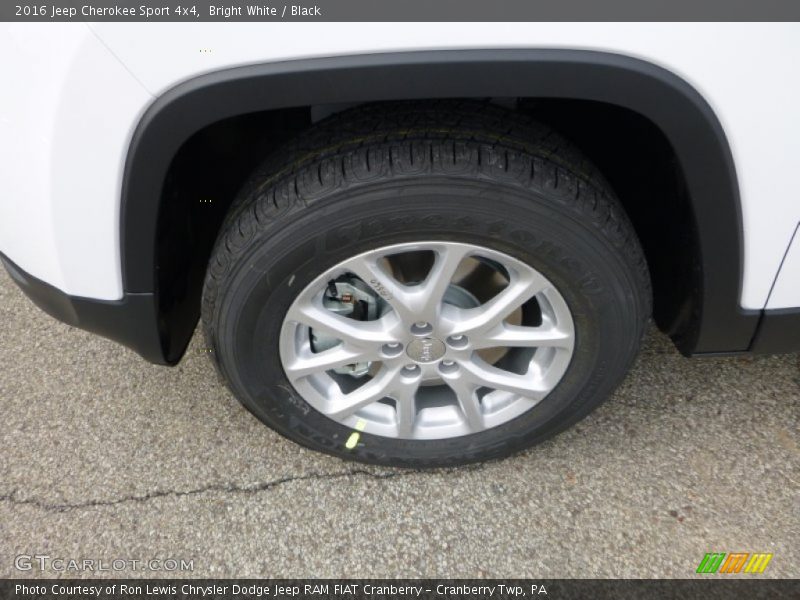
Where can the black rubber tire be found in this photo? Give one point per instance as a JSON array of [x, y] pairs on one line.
[[398, 172]]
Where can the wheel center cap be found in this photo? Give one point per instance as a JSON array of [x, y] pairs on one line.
[[426, 350]]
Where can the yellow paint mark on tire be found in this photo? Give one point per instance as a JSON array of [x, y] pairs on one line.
[[352, 441]]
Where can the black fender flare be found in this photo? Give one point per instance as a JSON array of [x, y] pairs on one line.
[[717, 322]]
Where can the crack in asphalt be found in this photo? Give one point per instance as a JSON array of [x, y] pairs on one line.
[[217, 487]]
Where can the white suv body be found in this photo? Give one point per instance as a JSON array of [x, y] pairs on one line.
[[91, 110], [88, 85]]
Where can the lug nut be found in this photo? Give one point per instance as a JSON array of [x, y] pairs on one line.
[[458, 341], [421, 328], [411, 370], [392, 349], [448, 366]]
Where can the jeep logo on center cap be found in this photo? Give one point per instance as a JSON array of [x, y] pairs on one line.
[[426, 350]]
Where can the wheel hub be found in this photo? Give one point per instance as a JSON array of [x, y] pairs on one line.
[[426, 350]]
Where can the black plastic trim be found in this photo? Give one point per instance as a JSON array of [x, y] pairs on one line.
[[715, 324], [778, 332], [131, 321]]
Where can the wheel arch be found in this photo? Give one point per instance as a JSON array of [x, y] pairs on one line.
[[711, 319]]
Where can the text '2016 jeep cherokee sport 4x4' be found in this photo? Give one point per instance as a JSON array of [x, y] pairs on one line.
[[417, 250]]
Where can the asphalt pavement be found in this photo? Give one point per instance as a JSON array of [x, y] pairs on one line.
[[104, 457]]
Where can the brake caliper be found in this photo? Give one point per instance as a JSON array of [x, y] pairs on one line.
[[351, 298]]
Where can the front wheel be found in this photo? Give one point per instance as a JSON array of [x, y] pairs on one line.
[[426, 299]]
